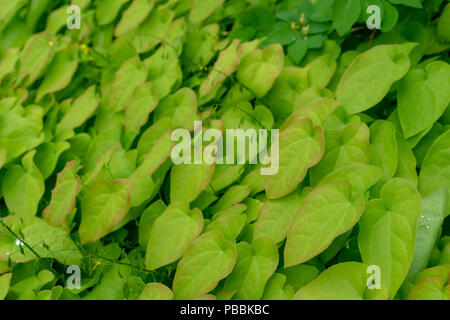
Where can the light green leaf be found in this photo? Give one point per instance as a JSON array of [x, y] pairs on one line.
[[47, 241], [60, 72], [63, 199], [325, 213], [171, 234], [81, 110], [301, 146], [156, 291], [200, 10], [23, 187], [343, 281], [187, 181], [130, 75], [133, 16], [255, 264], [103, 206], [423, 96], [435, 169], [370, 76], [259, 69], [208, 260], [4, 285], [388, 232]]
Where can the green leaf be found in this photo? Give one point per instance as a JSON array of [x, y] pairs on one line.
[[5, 280], [255, 264], [361, 176], [435, 170], [143, 101], [147, 219], [103, 206], [277, 289], [409, 3], [259, 69], [276, 217], [60, 73], [423, 96], [130, 75], [370, 76], [171, 234], [107, 10], [388, 232], [81, 110], [443, 27], [301, 146], [343, 147], [63, 199], [225, 65], [428, 229], [23, 187], [47, 241], [297, 50], [156, 291], [208, 260], [36, 53], [133, 16], [345, 14], [200, 10], [383, 151], [325, 213], [187, 181], [343, 281]]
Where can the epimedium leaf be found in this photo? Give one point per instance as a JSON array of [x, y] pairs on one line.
[[5, 281], [342, 281], [388, 231], [143, 101], [130, 75], [81, 110], [63, 200], [47, 241], [255, 263], [107, 10], [200, 10], [344, 147], [301, 146], [103, 205], [423, 96], [361, 176], [435, 169], [35, 56], [317, 111], [276, 216], [371, 74], [147, 219], [428, 229], [156, 291], [187, 181], [258, 69], [181, 107], [133, 16], [61, 71], [345, 14], [23, 187], [229, 223], [171, 234], [383, 151], [277, 289], [208, 260], [324, 214], [225, 65], [232, 196]]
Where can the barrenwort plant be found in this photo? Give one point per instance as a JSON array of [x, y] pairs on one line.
[[114, 114]]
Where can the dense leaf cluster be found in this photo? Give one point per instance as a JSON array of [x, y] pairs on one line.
[[359, 208]]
